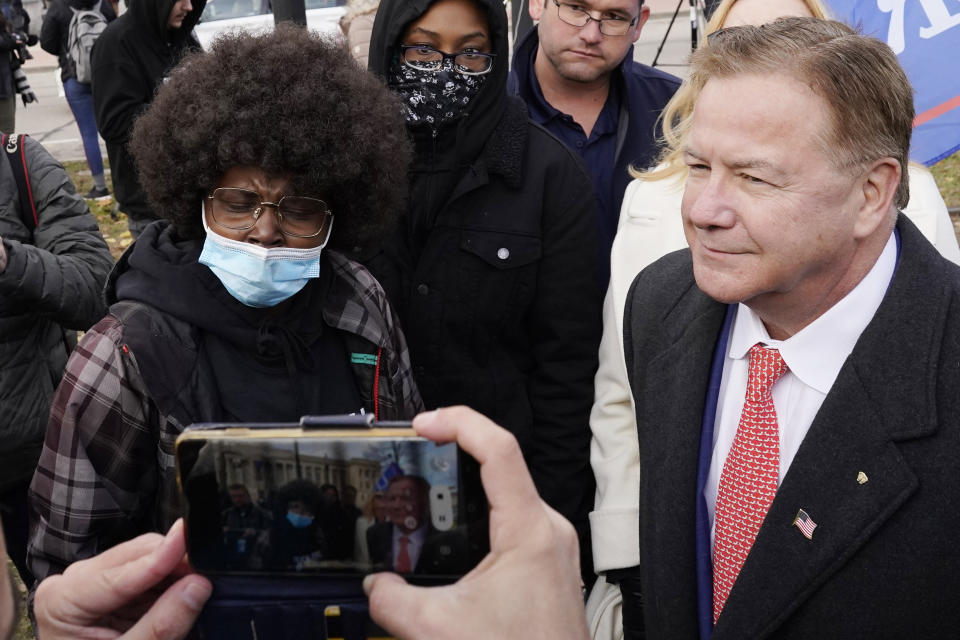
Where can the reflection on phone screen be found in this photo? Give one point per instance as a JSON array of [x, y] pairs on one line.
[[324, 506]]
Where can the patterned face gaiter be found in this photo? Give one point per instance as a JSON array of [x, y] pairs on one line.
[[435, 97]]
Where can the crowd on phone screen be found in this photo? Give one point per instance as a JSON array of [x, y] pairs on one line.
[[446, 230], [302, 526]]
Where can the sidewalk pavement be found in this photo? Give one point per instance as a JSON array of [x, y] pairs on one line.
[[676, 48], [41, 60], [49, 120]]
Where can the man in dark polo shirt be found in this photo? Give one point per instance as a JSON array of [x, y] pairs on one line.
[[575, 70]]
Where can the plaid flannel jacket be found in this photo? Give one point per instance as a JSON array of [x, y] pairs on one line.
[[106, 473]]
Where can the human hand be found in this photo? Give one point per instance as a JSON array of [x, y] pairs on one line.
[[529, 584], [3, 257], [125, 592]]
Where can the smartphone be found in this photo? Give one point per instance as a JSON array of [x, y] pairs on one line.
[[331, 496]]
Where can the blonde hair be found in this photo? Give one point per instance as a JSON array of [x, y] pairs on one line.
[[370, 506], [816, 8], [676, 115]]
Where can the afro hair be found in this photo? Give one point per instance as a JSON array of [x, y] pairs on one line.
[[291, 103]]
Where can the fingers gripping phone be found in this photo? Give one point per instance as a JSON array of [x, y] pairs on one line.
[[332, 496]]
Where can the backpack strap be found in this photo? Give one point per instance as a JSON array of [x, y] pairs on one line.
[[13, 148]]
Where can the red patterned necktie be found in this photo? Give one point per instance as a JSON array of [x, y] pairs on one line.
[[403, 556], [748, 482]]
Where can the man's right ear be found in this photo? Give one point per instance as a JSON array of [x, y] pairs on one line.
[[535, 9]]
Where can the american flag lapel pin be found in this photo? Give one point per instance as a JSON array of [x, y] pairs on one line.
[[805, 523]]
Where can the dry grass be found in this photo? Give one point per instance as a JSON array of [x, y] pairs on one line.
[[23, 631], [112, 225], [947, 174]]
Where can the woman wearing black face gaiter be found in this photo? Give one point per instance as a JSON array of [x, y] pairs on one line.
[[493, 270]]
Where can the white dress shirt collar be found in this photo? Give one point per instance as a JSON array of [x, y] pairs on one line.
[[816, 353]]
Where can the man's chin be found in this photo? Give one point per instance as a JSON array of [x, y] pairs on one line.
[[722, 287], [581, 72]]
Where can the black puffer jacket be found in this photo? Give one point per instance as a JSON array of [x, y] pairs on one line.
[[498, 295], [53, 281], [129, 61]]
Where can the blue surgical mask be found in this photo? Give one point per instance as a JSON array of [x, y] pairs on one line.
[[258, 276], [299, 521]]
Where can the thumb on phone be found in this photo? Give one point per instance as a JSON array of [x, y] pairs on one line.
[[399, 607]]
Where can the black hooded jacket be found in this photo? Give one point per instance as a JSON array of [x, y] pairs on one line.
[[129, 61], [494, 273]]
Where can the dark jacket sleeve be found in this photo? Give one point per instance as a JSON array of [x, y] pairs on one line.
[[565, 326], [120, 90], [51, 33], [63, 272], [53, 36], [7, 43]]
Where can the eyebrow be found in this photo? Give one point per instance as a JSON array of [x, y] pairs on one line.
[[614, 10], [464, 38], [746, 163]]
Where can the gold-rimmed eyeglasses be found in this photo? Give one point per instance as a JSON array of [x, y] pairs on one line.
[[297, 216]]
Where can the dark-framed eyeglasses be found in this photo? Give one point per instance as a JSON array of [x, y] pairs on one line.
[[576, 15], [424, 58], [297, 216]]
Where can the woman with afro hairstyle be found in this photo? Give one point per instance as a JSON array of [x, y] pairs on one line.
[[267, 157]]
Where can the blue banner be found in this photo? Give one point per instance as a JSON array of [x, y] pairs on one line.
[[393, 470], [925, 35]]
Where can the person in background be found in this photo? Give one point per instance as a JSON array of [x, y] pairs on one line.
[[18, 25], [493, 272], [51, 278], [130, 60], [350, 502], [576, 72], [336, 523], [54, 40], [10, 43], [374, 511], [651, 227], [240, 305], [357, 26], [297, 539], [246, 529], [351, 513]]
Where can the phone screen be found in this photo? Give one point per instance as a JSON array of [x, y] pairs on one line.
[[331, 506]]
